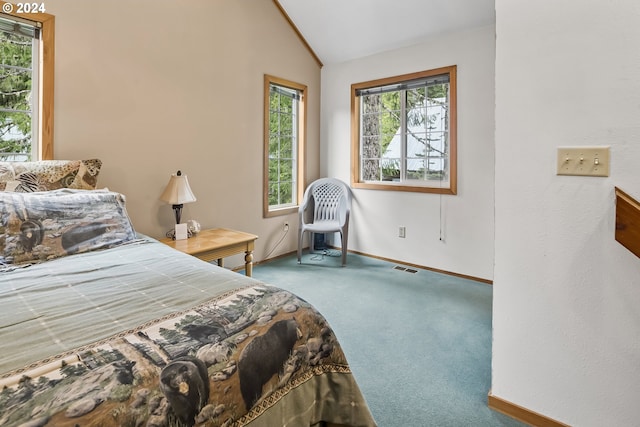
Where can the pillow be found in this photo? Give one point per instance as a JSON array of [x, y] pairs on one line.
[[45, 225], [46, 175]]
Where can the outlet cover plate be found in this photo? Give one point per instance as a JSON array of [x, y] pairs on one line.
[[583, 161]]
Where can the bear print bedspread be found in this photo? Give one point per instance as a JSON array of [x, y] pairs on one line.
[[255, 355]]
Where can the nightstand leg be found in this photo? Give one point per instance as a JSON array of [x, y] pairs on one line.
[[248, 263]]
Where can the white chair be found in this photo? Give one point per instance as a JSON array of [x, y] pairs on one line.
[[330, 200]]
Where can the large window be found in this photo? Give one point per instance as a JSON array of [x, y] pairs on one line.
[[26, 85], [284, 124], [404, 132]]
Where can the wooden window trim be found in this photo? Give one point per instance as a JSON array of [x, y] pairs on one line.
[[301, 146], [452, 188], [45, 126]]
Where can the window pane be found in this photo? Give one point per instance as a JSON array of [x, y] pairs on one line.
[[370, 146], [286, 104], [285, 170], [391, 169], [286, 193], [274, 146], [286, 149], [416, 97], [273, 193], [16, 77], [371, 104], [282, 163]]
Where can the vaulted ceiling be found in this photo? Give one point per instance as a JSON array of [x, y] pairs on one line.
[[341, 30]]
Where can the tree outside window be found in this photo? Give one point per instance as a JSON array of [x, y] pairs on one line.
[[16, 100]]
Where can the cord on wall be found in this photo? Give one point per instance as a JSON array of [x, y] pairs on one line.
[[441, 238], [441, 215], [285, 231]]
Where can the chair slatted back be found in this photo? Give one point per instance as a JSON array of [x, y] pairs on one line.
[[327, 198]]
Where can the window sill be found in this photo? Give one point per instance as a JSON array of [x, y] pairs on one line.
[[391, 186], [280, 212]]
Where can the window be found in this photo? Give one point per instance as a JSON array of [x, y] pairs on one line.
[[26, 86], [284, 140], [404, 132]]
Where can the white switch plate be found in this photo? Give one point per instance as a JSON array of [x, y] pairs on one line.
[[584, 161]]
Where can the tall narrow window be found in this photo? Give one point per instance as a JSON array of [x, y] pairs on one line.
[[404, 132], [26, 87], [284, 145]]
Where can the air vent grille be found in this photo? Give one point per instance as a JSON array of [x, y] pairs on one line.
[[408, 270]]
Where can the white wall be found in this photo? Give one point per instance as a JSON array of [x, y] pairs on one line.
[[466, 219], [566, 294], [151, 87]]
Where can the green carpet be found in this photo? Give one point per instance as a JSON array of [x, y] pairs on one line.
[[419, 344]]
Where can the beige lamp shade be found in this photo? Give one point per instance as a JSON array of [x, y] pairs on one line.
[[178, 190], [177, 193]]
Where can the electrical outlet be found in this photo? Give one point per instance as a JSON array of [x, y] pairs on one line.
[[285, 226], [402, 232]]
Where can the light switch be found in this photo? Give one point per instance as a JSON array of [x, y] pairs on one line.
[[585, 161]]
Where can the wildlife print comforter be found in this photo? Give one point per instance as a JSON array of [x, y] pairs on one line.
[[255, 354]]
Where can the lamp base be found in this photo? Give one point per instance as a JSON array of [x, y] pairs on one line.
[[177, 210]]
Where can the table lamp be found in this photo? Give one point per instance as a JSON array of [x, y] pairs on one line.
[[177, 193]]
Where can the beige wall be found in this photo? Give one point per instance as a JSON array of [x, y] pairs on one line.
[[151, 87]]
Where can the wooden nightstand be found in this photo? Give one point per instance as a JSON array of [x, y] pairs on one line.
[[217, 243]]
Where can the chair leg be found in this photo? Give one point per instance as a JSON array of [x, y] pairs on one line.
[[344, 236], [300, 234]]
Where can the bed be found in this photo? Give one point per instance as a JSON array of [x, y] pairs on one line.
[[104, 326]]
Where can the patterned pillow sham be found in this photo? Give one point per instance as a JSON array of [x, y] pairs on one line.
[[45, 225], [46, 175]]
